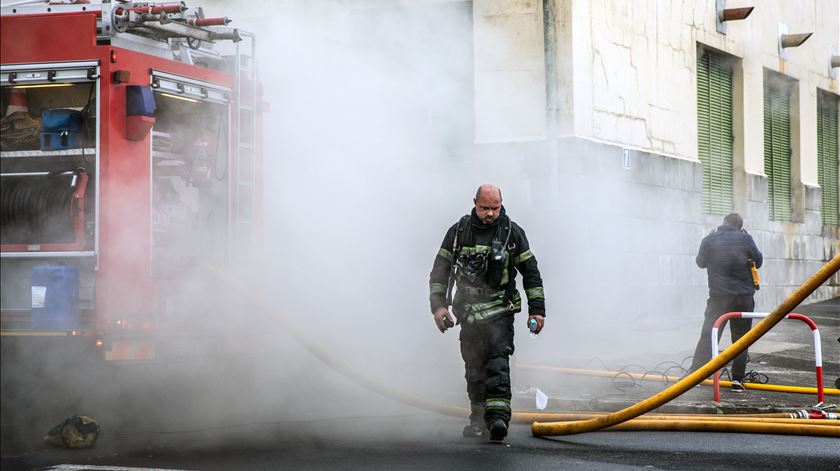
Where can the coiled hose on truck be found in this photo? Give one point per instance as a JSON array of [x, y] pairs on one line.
[[36, 209]]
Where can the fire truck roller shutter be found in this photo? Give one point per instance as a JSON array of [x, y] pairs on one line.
[[192, 89], [48, 72]]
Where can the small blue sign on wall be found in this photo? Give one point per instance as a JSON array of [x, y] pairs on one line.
[[625, 160]]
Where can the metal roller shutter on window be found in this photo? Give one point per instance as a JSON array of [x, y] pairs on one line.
[[827, 157], [714, 136], [777, 151]]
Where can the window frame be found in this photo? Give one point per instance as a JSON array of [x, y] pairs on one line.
[[778, 146], [716, 129], [828, 157]]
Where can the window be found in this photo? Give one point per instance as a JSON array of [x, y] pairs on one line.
[[714, 130], [777, 147], [827, 157]]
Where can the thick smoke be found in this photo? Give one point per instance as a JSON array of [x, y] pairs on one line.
[[368, 146], [369, 157]]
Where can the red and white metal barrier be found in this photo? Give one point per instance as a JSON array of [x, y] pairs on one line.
[[759, 315]]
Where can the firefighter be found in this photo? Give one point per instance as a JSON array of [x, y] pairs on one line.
[[479, 258]]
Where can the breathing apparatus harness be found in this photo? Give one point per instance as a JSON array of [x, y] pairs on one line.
[[474, 267]]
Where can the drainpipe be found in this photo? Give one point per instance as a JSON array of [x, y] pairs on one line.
[[551, 103], [550, 51]]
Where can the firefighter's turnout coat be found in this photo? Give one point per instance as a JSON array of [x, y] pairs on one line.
[[489, 294], [485, 259]]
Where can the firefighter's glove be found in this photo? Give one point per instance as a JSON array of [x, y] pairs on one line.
[[443, 319], [540, 321]]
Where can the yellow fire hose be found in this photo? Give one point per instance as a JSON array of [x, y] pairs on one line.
[[705, 423], [674, 379], [733, 427], [564, 416], [701, 423], [782, 418], [798, 295], [529, 417]]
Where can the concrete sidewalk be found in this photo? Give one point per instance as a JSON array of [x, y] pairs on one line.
[[784, 356]]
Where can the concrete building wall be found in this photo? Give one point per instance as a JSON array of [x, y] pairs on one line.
[[624, 74], [509, 71], [635, 70], [636, 76]]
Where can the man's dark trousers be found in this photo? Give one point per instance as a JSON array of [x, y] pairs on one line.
[[716, 306], [486, 347]]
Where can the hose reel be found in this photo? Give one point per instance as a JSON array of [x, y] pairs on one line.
[[42, 208]]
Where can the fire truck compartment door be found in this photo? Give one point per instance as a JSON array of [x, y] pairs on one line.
[[189, 88], [49, 72]]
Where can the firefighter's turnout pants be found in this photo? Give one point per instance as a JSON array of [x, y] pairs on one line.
[[486, 347]]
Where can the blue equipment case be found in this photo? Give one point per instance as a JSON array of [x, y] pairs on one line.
[[55, 297], [61, 129]]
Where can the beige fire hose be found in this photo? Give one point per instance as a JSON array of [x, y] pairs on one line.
[[566, 428], [674, 379], [777, 422]]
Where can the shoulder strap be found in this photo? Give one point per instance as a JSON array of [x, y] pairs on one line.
[[511, 246], [507, 224], [457, 243], [464, 231]]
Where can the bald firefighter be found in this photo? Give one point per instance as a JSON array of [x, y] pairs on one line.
[[478, 259]]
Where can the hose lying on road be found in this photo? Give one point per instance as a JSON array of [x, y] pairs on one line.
[[674, 379], [783, 418], [703, 423], [689, 422], [693, 379], [683, 425]]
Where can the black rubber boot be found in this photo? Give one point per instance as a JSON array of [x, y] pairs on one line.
[[498, 430], [474, 431], [476, 427]]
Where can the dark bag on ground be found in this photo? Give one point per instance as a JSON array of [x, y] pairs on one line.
[[79, 431]]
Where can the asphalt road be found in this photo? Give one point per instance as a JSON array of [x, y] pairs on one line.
[[424, 441], [232, 415]]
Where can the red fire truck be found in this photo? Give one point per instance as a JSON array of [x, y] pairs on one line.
[[131, 157]]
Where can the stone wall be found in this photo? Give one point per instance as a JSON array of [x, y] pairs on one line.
[[613, 239], [629, 81]]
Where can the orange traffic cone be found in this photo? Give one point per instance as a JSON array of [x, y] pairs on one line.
[[17, 102]]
